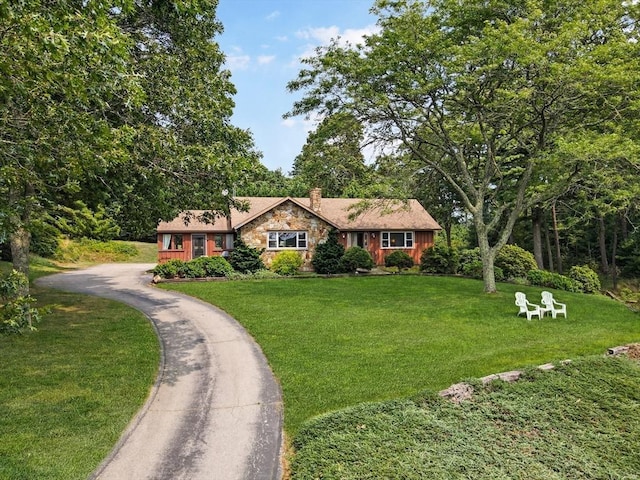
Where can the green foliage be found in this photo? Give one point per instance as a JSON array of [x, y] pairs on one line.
[[561, 415], [491, 73], [170, 269], [94, 251], [257, 275], [287, 263], [401, 260], [332, 158], [543, 278], [326, 258], [439, 259], [16, 309], [585, 278], [515, 261], [44, 239], [81, 222], [355, 258], [245, 259]]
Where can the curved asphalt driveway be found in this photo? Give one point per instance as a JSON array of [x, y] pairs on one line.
[[215, 411]]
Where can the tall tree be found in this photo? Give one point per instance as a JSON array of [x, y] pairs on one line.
[[122, 103], [63, 63], [482, 92], [332, 159]]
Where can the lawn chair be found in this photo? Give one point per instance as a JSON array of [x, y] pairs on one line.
[[550, 305], [526, 307]]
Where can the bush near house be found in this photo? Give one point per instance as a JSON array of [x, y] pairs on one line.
[[287, 263], [401, 260], [245, 259], [441, 259], [355, 258], [326, 258]]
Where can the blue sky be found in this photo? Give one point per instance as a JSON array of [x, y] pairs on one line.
[[264, 41]]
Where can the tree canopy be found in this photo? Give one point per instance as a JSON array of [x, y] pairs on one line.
[[490, 95], [123, 105]]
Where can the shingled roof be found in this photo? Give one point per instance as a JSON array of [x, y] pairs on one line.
[[368, 215]]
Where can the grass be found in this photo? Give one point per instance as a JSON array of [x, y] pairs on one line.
[[68, 390], [338, 342], [579, 421]]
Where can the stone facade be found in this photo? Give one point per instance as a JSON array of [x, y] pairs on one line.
[[286, 216]]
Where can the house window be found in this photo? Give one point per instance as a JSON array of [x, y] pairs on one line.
[[397, 239], [218, 241], [172, 242], [278, 240]]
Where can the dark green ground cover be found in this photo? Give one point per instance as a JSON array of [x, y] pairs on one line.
[[581, 421], [337, 342]]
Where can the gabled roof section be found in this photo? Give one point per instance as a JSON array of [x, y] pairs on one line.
[[257, 200], [379, 215]]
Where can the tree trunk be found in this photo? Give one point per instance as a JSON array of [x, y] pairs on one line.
[[556, 238], [447, 231], [614, 248], [602, 242], [488, 258], [549, 251], [536, 218], [19, 234]]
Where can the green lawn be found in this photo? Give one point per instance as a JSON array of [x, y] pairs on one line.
[[342, 341], [68, 390]]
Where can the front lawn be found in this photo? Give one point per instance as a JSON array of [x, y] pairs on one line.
[[68, 390], [338, 342]]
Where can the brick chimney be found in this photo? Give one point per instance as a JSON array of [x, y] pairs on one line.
[[315, 196]]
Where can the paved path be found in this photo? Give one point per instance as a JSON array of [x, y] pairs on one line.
[[216, 409]]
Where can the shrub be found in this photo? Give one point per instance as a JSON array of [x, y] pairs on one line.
[[355, 258], [470, 256], [44, 239], [82, 222], [287, 263], [326, 258], [16, 311], [542, 278], [194, 269], [170, 269], [515, 261], [585, 278], [439, 259], [215, 266], [245, 259], [474, 270], [398, 259]]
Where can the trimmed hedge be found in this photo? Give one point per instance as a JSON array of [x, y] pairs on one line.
[[399, 259], [287, 263], [440, 259], [515, 261], [355, 258]]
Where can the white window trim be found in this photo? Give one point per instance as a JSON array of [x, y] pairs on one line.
[[385, 237], [301, 237]]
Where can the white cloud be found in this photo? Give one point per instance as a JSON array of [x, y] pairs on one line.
[[322, 36], [238, 62], [282, 38], [272, 16], [266, 59], [289, 122]]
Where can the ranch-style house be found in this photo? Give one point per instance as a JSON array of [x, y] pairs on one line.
[[276, 224]]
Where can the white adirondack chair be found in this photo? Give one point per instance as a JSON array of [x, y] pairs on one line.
[[526, 307], [550, 305]]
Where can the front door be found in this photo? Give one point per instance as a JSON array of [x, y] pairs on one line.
[[198, 245], [359, 239]]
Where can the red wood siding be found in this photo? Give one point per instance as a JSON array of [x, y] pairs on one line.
[[421, 240], [185, 253]]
